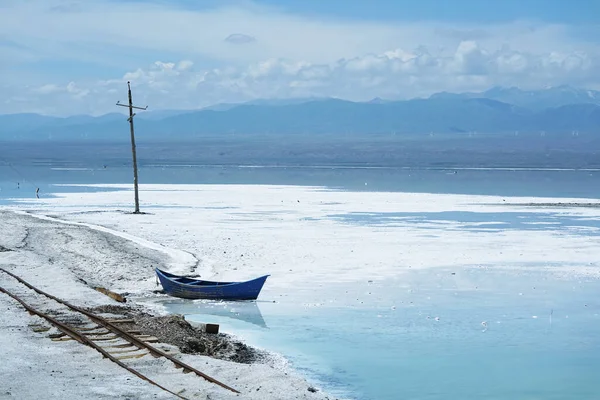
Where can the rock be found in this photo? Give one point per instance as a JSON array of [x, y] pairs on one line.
[[179, 320], [192, 345]]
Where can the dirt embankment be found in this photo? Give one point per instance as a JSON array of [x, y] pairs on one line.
[[175, 330]]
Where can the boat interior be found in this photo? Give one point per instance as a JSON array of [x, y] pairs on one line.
[[195, 282]]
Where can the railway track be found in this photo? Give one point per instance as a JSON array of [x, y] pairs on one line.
[[127, 349]]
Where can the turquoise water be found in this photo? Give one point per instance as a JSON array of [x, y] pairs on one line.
[[422, 335], [476, 221]]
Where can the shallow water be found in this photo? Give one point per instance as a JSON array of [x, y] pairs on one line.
[[23, 181], [477, 221], [480, 333], [381, 340]]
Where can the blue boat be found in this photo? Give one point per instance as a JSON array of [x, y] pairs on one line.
[[188, 288]]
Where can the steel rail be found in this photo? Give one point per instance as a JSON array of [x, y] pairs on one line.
[[84, 340], [128, 337]]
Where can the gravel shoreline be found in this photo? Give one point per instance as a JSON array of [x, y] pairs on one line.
[[175, 330]]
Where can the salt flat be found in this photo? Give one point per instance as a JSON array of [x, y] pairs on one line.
[[237, 231], [66, 260], [299, 235]]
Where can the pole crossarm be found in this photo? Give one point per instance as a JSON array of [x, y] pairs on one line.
[[133, 153], [126, 105]]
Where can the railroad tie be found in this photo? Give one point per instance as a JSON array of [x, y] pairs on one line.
[[119, 346], [124, 351], [132, 356], [94, 334], [75, 330], [88, 329]]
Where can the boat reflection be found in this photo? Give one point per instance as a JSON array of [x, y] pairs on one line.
[[246, 311]]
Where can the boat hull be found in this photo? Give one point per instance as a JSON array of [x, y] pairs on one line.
[[186, 288]]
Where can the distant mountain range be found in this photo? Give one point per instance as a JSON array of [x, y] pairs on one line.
[[555, 110], [536, 100]]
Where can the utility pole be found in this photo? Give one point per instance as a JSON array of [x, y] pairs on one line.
[[130, 119]]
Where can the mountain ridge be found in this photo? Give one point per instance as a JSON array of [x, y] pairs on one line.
[[571, 110]]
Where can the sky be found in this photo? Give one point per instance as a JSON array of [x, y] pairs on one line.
[[75, 57]]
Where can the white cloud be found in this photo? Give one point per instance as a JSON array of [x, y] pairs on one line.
[[268, 54], [394, 74], [48, 89], [239, 38], [93, 29]]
